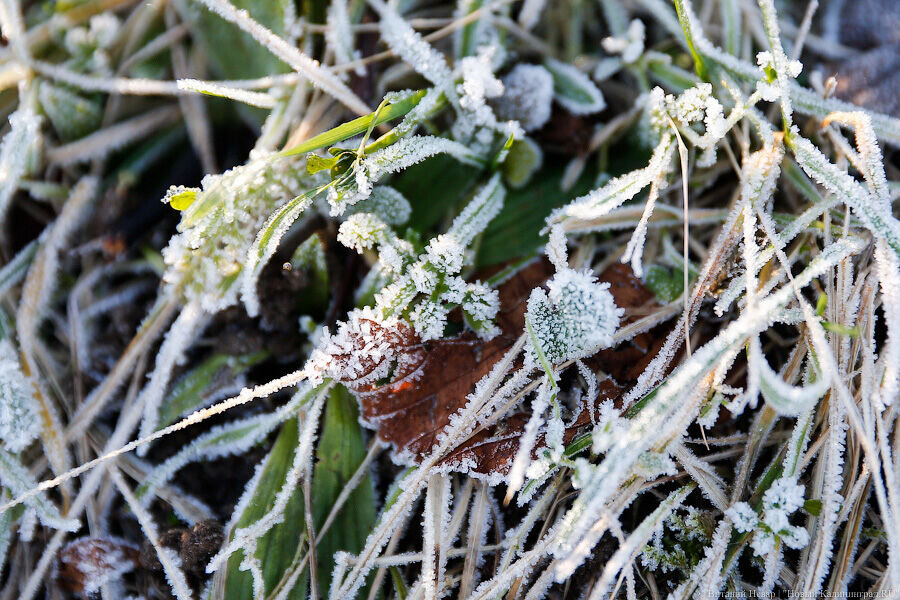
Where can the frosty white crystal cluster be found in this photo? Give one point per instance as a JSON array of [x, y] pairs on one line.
[[426, 288], [527, 96], [89, 45], [204, 259], [575, 319], [782, 499], [768, 86], [362, 349], [630, 46]]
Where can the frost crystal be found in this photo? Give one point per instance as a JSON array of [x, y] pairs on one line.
[[631, 47], [575, 319], [205, 258], [478, 80], [19, 420], [527, 96], [782, 498]]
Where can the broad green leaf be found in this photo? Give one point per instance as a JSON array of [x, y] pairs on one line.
[[573, 89], [667, 284], [341, 450], [278, 547], [522, 161], [232, 53], [516, 230], [434, 187], [188, 393]]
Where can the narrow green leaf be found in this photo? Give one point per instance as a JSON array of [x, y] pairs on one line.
[[356, 126], [341, 450], [277, 548]]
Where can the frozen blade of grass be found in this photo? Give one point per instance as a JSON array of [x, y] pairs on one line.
[[873, 214], [321, 77], [265, 245], [37, 291], [603, 200], [435, 521], [15, 270], [339, 34], [703, 474], [154, 87], [410, 46], [629, 550], [209, 88], [25, 130], [189, 324], [115, 137], [812, 574], [479, 518], [17, 479], [170, 561], [223, 440], [672, 403]]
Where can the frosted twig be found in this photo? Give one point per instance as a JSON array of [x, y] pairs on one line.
[[245, 396]]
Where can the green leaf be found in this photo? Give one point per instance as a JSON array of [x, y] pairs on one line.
[[573, 89], [685, 21], [813, 507], [341, 450], [522, 161], [277, 548], [516, 230], [233, 53], [666, 284], [182, 199], [433, 187], [356, 126], [188, 393]]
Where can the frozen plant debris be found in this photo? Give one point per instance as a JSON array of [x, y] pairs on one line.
[[527, 96], [781, 500]]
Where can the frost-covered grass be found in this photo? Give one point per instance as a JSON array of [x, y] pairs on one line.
[[401, 410]]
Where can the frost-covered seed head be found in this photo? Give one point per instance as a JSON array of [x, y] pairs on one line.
[[575, 319], [527, 96], [362, 231]]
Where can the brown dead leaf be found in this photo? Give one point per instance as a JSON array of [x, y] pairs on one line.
[[87, 563], [431, 381]]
